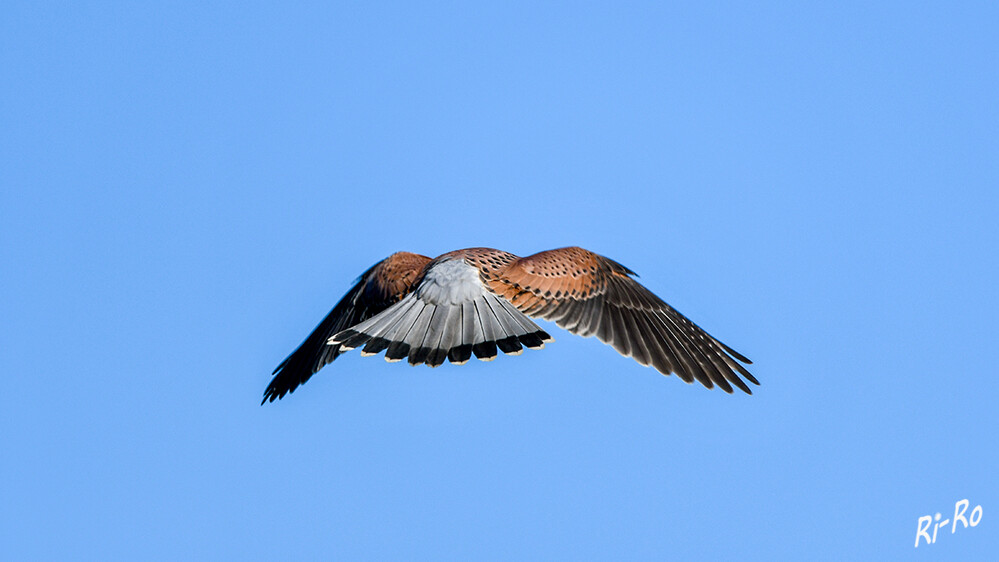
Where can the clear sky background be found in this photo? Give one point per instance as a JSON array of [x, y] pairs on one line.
[[188, 189]]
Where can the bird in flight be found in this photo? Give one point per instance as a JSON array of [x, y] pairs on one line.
[[475, 301]]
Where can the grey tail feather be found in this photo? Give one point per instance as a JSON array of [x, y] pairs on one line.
[[429, 334]]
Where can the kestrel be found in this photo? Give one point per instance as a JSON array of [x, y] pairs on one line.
[[471, 302]]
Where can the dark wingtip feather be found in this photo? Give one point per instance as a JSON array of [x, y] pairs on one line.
[[437, 357], [460, 354], [484, 350], [298, 368], [355, 339], [343, 336], [739, 383], [532, 341], [376, 345], [397, 350], [419, 355], [734, 353], [279, 387], [278, 368], [509, 344], [724, 385]]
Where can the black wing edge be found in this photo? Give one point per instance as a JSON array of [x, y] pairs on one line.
[[313, 354]]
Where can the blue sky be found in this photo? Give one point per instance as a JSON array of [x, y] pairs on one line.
[[188, 188]]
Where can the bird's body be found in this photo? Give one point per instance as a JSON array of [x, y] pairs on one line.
[[475, 301]]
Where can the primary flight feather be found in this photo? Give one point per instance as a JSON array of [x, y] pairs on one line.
[[475, 301]]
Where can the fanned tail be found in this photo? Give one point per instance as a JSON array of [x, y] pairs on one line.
[[429, 333]]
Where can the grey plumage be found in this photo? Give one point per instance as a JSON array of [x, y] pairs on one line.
[[429, 333]]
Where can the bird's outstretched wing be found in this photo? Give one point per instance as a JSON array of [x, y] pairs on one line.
[[378, 288], [590, 295]]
